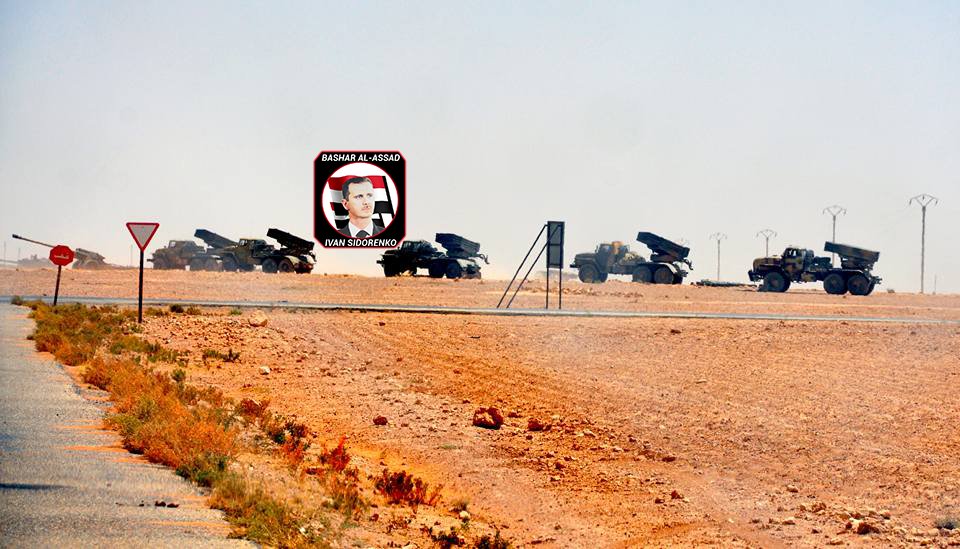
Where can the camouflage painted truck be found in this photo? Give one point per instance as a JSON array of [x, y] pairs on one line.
[[855, 274], [294, 256], [665, 265], [458, 261], [176, 255]]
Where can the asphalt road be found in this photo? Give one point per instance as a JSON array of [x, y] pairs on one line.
[[65, 482], [424, 309]]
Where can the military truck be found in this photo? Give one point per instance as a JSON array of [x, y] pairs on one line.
[[294, 256], [801, 265], [458, 261], [663, 267], [177, 254]]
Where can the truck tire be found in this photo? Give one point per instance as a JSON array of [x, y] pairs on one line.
[[230, 264], [858, 285], [774, 281], [588, 274], [436, 269], [286, 266], [196, 264], [872, 286], [212, 264], [453, 270], [390, 271], [268, 266], [643, 274], [663, 275], [158, 263], [834, 284]]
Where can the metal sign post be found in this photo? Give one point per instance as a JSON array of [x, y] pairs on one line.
[[554, 248], [60, 256], [555, 231], [142, 233]]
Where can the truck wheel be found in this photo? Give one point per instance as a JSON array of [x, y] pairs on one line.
[[775, 282], [158, 263], [213, 264], [872, 286], [643, 274], [230, 264], [589, 274], [834, 284], [268, 266], [436, 269], [858, 285], [286, 266], [389, 271], [454, 270], [663, 275], [196, 264]]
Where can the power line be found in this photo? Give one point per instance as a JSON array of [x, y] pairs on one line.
[[923, 200], [718, 237], [767, 233], [834, 211]]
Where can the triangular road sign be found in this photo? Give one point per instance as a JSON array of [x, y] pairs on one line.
[[142, 233]]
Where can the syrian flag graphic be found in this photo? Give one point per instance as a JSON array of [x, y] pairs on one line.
[[383, 210], [386, 171]]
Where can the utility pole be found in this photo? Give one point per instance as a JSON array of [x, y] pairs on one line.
[[924, 200], [834, 211], [718, 237], [767, 233]]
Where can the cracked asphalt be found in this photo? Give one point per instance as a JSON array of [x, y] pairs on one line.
[[64, 481]]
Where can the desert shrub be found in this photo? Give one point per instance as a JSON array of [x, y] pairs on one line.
[[193, 310], [948, 523], [495, 542], [235, 312], [229, 356], [16, 300], [258, 516], [336, 459], [176, 308], [402, 487]]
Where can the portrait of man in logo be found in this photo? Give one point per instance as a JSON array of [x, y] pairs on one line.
[[360, 201]]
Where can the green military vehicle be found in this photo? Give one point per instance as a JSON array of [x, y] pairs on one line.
[[294, 256], [458, 261], [801, 265], [665, 265], [176, 255]]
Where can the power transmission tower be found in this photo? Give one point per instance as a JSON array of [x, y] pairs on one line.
[[924, 200], [767, 233], [834, 211], [718, 237]]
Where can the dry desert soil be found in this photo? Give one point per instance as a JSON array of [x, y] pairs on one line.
[[661, 431]]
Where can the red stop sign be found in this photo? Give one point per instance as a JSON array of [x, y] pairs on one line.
[[61, 255]]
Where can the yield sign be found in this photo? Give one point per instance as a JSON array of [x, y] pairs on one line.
[[142, 233]]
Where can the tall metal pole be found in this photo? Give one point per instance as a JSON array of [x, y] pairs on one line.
[[834, 211], [718, 237], [924, 200], [140, 294], [767, 233]]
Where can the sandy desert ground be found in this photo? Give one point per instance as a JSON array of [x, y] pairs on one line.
[[663, 431]]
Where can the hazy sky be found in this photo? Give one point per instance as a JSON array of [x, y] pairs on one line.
[[679, 118]]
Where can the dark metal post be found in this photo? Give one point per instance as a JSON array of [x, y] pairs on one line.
[[546, 305], [560, 297], [515, 292], [140, 297], [507, 289], [56, 291]]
